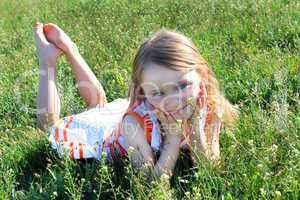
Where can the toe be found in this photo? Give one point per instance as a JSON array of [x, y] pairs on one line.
[[46, 28], [53, 34], [53, 25], [39, 34]]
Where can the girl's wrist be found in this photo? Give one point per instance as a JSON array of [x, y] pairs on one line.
[[170, 129]]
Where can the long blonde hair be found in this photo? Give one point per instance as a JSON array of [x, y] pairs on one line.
[[175, 51]]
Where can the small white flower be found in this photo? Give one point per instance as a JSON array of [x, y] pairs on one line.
[[278, 193], [259, 165], [250, 142], [262, 191], [165, 176], [187, 194], [274, 148], [130, 149]]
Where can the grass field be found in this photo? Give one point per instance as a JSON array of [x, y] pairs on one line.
[[253, 47]]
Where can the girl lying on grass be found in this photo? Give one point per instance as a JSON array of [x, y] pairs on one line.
[[173, 103]]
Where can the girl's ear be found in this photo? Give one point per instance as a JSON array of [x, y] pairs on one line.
[[201, 95]]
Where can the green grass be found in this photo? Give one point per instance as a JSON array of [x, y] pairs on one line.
[[253, 47]]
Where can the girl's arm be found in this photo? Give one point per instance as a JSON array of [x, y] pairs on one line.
[[171, 145], [213, 139], [208, 143], [142, 154], [135, 137], [169, 155]]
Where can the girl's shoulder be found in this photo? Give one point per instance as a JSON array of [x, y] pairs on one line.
[[140, 115], [142, 109]]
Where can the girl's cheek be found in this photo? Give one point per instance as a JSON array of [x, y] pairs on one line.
[[195, 91], [190, 93], [155, 102]]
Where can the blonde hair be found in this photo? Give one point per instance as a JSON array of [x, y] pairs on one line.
[[175, 51]]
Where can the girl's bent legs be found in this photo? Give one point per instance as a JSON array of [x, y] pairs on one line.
[[90, 88]]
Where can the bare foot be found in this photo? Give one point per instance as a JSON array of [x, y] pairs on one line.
[[47, 52], [57, 36]]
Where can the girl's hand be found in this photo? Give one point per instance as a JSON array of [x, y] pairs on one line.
[[169, 155], [135, 138], [169, 124]]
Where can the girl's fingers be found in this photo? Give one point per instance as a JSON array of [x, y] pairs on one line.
[[160, 115], [169, 117], [165, 117], [169, 124]]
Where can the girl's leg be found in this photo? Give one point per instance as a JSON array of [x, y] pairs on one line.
[[48, 102], [89, 87]]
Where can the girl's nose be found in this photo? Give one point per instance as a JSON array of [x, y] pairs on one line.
[[172, 103]]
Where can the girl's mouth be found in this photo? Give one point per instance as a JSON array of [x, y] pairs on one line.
[[177, 111], [189, 102]]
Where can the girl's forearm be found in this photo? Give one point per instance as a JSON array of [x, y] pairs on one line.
[[169, 155], [89, 87]]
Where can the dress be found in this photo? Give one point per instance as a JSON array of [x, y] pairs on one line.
[[88, 134]]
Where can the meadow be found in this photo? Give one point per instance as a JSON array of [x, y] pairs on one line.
[[253, 46]]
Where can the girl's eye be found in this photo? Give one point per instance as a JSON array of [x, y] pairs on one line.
[[156, 94], [183, 85]]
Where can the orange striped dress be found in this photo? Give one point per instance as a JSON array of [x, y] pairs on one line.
[[88, 134], [98, 130]]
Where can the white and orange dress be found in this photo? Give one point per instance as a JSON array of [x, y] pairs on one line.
[[88, 134]]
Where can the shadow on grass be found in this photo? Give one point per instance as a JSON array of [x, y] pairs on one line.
[[183, 173], [116, 183], [122, 174], [36, 162]]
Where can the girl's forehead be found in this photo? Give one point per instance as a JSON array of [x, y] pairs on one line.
[[158, 76]]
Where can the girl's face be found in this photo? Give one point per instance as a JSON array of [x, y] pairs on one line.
[[174, 92]]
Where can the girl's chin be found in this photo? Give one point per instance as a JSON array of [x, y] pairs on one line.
[[181, 117]]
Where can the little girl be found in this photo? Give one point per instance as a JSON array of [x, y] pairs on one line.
[[174, 103]]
